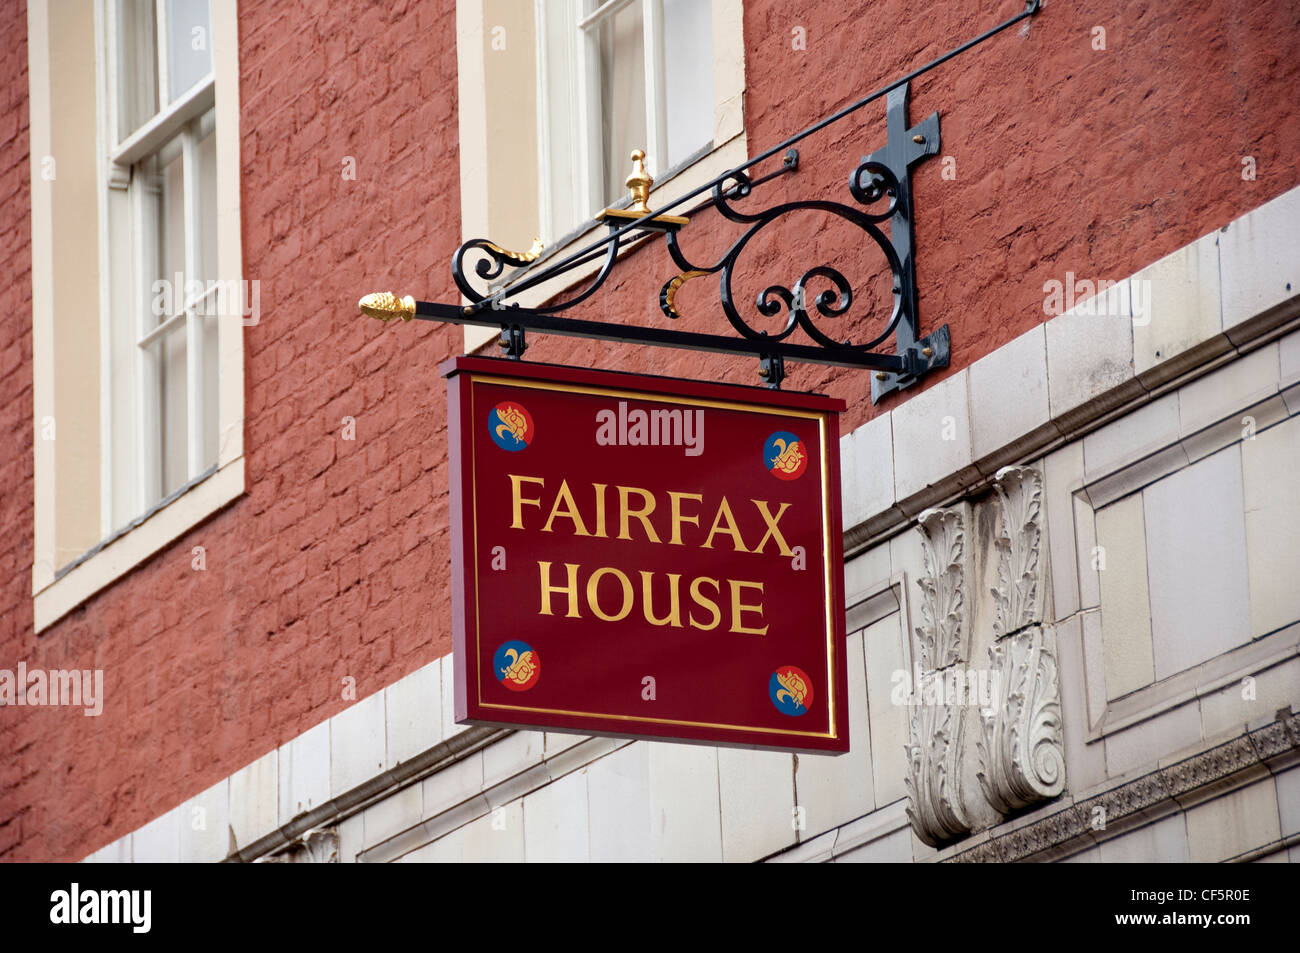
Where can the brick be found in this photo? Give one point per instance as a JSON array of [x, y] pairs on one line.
[[359, 586]]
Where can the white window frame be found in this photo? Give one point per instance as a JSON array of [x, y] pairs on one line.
[[57, 589], [583, 32], [729, 145], [181, 117]]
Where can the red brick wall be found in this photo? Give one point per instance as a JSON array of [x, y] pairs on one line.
[[19, 780], [335, 563]]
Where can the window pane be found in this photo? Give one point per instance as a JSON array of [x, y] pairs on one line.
[[561, 121], [123, 406], [189, 44], [206, 226], [137, 65], [162, 176], [622, 88], [207, 230], [174, 411], [688, 77]]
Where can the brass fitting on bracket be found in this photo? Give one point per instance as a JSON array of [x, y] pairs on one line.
[[386, 306]]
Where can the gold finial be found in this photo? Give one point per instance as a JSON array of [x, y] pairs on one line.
[[386, 306], [639, 183]]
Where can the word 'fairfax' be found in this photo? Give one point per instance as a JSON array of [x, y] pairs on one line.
[[653, 428], [564, 507]]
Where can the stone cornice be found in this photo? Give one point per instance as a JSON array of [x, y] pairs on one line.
[[1063, 416], [381, 786], [1145, 798]]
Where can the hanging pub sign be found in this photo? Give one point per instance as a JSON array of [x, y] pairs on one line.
[[646, 557]]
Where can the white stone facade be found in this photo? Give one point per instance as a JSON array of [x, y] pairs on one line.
[[1110, 540]]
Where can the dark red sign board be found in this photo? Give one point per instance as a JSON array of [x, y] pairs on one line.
[[646, 557]]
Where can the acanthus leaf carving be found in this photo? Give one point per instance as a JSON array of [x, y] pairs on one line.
[[934, 774], [933, 778], [1017, 602], [941, 638], [315, 846], [1021, 749]]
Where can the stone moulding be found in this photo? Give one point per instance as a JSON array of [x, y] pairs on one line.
[[328, 815], [933, 779], [1021, 750], [319, 846], [1150, 796]]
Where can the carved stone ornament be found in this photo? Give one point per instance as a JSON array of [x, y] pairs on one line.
[[313, 847], [1021, 751], [1020, 492], [933, 778], [941, 637], [934, 774], [1153, 794]]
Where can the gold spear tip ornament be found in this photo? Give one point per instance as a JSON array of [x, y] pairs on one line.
[[386, 306]]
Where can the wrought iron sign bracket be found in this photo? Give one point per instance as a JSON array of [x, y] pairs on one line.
[[880, 186], [903, 148]]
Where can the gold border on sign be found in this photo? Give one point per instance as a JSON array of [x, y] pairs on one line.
[[587, 390], [646, 395]]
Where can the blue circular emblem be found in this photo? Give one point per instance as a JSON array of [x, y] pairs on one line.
[[785, 456], [510, 425], [516, 666], [791, 691]]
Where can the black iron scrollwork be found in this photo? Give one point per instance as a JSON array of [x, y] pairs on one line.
[[879, 187], [488, 268], [819, 303], [793, 300]]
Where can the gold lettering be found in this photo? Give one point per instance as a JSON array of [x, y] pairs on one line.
[[593, 591], [626, 515], [705, 602], [571, 590], [738, 544], [772, 531], [570, 512], [737, 607], [518, 500], [675, 501], [674, 617], [600, 509]]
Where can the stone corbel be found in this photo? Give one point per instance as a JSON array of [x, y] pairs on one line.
[[933, 780], [1019, 542], [942, 638], [1021, 751], [317, 846]]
